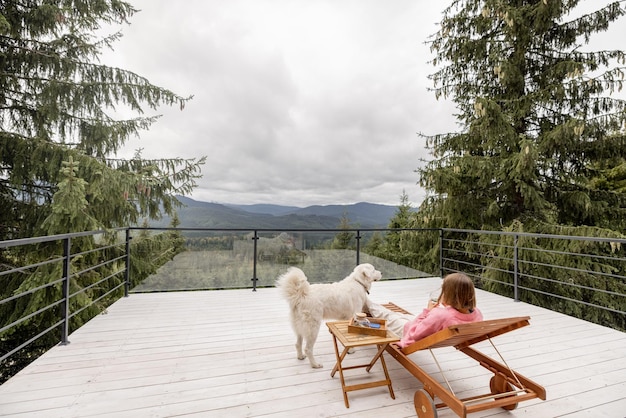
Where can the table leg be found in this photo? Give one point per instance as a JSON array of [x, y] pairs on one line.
[[381, 348], [338, 367], [379, 355], [382, 360], [339, 359]]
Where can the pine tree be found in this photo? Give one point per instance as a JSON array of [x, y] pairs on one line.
[[539, 132], [397, 243], [402, 217], [375, 245], [55, 103], [415, 249], [540, 148], [59, 170], [344, 240]]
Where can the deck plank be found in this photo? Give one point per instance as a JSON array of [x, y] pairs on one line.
[[231, 353]]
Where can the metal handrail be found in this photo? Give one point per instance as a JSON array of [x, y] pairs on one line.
[[459, 249], [505, 269]]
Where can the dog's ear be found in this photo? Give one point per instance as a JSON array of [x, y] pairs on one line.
[[367, 270], [370, 273]]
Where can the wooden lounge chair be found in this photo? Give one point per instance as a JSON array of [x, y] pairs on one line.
[[507, 387]]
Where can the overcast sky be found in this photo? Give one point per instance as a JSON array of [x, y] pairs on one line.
[[296, 102]]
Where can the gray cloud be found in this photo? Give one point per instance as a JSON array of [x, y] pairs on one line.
[[295, 102]]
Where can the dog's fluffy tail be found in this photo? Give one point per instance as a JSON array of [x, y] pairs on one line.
[[293, 285]]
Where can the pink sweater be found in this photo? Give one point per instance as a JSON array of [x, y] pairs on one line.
[[429, 322]]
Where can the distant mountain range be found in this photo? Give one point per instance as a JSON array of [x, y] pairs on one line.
[[196, 214]]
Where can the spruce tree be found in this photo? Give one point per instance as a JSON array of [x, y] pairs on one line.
[[540, 148], [59, 170], [541, 139], [344, 240], [57, 106], [397, 243]]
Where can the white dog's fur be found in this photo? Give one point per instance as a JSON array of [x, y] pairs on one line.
[[311, 303]]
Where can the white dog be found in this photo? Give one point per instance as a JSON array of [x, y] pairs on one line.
[[311, 303]]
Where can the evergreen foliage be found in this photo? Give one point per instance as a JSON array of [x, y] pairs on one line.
[[541, 140], [59, 170], [418, 249], [344, 240], [541, 146], [56, 128], [579, 277], [397, 241]]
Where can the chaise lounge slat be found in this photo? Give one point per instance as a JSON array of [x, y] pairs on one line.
[[464, 335], [507, 387]]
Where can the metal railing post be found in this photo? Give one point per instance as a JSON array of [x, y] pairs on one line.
[[127, 260], [65, 285], [441, 253], [358, 247], [254, 256], [515, 269]]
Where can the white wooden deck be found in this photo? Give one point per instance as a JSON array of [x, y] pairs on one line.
[[230, 353]]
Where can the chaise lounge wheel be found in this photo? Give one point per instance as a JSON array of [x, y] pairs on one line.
[[498, 384], [424, 404]]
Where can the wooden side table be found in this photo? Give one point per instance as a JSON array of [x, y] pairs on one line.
[[339, 331]]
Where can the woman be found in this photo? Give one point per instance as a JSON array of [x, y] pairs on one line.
[[456, 305]]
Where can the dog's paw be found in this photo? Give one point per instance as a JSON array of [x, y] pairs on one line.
[[301, 356], [317, 365], [351, 350]]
